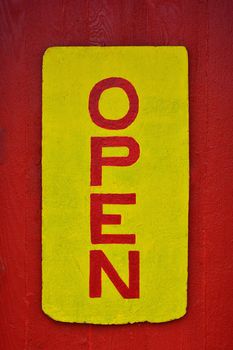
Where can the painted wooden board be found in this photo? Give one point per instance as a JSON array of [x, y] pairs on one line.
[[28, 28], [115, 184]]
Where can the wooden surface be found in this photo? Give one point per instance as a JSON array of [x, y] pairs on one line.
[[27, 28]]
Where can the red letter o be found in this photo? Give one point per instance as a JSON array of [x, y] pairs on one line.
[[94, 97]]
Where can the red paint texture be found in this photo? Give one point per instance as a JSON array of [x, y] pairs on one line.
[[27, 28]]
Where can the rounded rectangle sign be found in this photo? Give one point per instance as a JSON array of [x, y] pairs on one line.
[[115, 184]]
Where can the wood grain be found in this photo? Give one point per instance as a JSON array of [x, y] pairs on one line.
[[27, 28]]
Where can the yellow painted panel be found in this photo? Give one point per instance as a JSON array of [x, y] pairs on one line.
[[159, 178]]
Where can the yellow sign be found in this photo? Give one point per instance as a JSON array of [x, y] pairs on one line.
[[115, 184]]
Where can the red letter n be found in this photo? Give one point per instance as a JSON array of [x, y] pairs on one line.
[[99, 261]]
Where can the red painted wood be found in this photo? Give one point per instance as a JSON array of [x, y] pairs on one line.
[[27, 28]]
